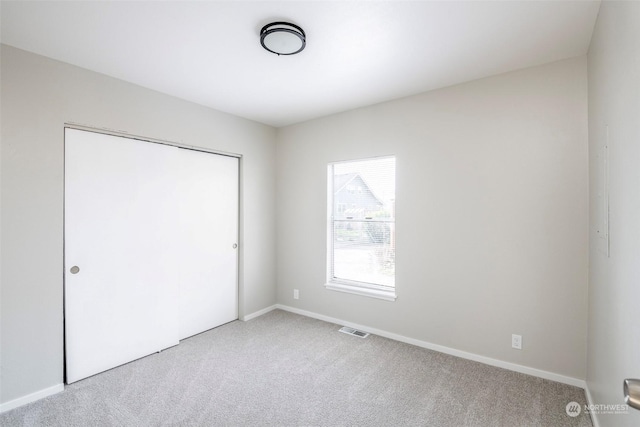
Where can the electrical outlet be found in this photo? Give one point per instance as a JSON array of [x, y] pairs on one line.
[[296, 294], [516, 341]]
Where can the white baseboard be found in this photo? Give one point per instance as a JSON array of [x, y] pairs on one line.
[[41, 394], [594, 417], [258, 313], [442, 349]]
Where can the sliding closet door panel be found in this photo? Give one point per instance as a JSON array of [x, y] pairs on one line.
[[120, 252], [208, 200]]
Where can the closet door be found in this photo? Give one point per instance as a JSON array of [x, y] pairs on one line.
[[151, 236], [208, 201], [120, 253]]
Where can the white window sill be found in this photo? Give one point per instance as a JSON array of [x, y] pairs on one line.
[[387, 295]]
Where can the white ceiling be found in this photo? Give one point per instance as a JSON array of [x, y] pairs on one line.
[[358, 52]]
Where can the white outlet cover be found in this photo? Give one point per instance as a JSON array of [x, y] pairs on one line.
[[516, 341]]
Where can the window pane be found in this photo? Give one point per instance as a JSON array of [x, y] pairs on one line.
[[364, 252], [364, 189], [363, 229]]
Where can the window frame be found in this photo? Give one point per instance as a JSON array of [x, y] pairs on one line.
[[372, 290]]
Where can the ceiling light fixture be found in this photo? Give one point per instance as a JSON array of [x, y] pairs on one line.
[[283, 38]]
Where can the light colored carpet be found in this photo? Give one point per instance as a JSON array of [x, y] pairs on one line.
[[288, 370]]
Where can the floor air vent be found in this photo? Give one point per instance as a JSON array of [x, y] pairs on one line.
[[354, 332]]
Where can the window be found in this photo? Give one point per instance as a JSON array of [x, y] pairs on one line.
[[361, 227]]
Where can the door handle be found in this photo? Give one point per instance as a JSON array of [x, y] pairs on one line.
[[75, 269], [632, 392]]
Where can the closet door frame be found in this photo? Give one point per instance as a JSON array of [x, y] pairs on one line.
[[239, 246]]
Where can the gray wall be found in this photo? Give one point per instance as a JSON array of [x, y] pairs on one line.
[[492, 215], [614, 286], [38, 96]]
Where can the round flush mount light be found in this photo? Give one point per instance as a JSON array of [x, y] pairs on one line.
[[282, 38]]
